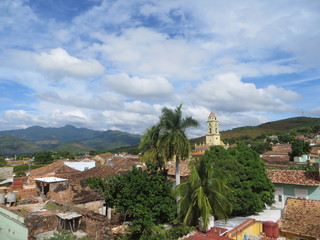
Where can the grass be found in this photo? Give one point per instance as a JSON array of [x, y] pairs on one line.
[[50, 206]]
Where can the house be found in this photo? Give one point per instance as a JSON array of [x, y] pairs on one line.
[[294, 183], [300, 219], [184, 170], [278, 156]]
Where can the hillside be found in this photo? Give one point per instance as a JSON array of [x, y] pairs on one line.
[[68, 138], [11, 145], [266, 128]]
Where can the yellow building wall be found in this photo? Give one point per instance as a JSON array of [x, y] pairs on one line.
[[253, 229]]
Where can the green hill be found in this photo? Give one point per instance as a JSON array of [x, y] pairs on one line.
[[265, 128], [68, 138], [11, 145], [75, 147]]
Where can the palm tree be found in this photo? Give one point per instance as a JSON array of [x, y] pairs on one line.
[[149, 146], [202, 195], [173, 139]]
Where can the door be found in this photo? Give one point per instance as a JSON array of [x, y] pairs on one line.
[[279, 199]]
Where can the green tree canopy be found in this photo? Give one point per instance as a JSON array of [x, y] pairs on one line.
[[43, 158], [2, 161], [143, 196], [298, 148], [167, 139], [250, 186], [202, 195]]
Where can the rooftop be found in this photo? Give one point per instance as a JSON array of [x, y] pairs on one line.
[[301, 217], [51, 179], [296, 177]]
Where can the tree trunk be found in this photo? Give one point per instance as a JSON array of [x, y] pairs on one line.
[[177, 171]]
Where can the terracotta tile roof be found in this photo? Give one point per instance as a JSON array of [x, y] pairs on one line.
[[275, 160], [100, 172], [297, 177], [301, 217], [184, 169], [55, 167], [124, 162], [213, 234], [314, 150]]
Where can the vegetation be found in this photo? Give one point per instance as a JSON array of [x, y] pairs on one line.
[[144, 197], [299, 148], [20, 174], [25, 167], [167, 139], [50, 206], [202, 195], [68, 138], [2, 161], [158, 233], [304, 167], [250, 188], [43, 158], [66, 236]]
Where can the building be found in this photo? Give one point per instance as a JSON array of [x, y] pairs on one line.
[[212, 136], [294, 184], [300, 219]]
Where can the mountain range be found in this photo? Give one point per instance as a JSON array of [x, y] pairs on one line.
[[67, 138]]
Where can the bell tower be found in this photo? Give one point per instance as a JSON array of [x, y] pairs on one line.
[[213, 135]]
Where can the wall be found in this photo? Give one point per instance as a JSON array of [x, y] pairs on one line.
[[12, 226], [6, 172], [41, 222], [254, 228], [96, 206], [288, 191]]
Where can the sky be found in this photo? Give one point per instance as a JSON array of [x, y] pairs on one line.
[[114, 64]]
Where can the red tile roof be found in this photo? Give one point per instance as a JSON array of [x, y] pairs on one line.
[[297, 177], [213, 234], [184, 169], [301, 218]]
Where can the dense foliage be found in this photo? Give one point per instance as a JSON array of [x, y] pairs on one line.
[[167, 140], [203, 195], [2, 161], [66, 236], [250, 187], [43, 158], [299, 147], [144, 197]]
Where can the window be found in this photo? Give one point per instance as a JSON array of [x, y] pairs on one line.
[[301, 193]]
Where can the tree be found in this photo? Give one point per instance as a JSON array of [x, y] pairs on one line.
[[250, 187], [261, 147], [43, 158], [143, 196], [149, 145], [167, 139], [173, 140], [2, 161], [63, 235], [202, 195], [299, 148]]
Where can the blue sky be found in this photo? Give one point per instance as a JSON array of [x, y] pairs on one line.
[[105, 64]]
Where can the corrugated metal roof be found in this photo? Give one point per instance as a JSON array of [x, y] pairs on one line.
[[68, 215], [51, 179], [81, 166]]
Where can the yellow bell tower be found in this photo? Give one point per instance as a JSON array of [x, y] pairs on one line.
[[213, 135]]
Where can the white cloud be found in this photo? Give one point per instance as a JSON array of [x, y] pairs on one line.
[[226, 92], [142, 88], [59, 63], [147, 52], [284, 94]]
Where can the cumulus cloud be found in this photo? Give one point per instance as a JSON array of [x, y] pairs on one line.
[[59, 63], [147, 52], [136, 87], [226, 92]]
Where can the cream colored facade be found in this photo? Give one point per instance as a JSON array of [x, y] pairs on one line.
[[213, 135]]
